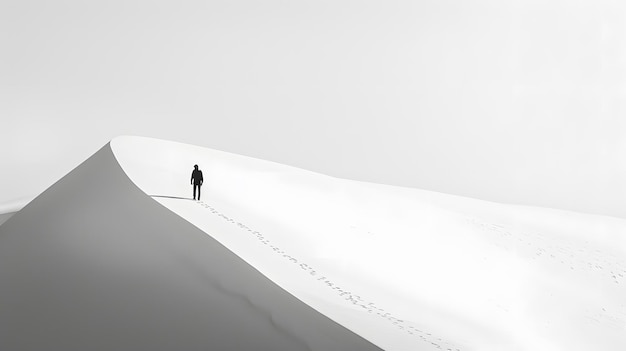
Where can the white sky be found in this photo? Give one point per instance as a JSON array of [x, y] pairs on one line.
[[511, 101]]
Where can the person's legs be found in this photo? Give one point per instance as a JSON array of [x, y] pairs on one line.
[[194, 191], [199, 187]]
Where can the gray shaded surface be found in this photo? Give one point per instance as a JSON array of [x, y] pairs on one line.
[[94, 264], [5, 216]]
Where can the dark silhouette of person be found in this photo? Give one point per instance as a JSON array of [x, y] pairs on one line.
[[196, 181]]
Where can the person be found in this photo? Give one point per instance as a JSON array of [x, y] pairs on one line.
[[196, 181]]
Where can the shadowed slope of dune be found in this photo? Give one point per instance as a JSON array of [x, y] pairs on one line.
[[95, 264]]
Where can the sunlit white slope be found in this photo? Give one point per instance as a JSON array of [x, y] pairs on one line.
[[406, 269]]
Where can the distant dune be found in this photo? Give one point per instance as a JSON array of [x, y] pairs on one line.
[[117, 256]]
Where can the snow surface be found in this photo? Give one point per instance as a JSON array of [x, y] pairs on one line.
[[404, 268]]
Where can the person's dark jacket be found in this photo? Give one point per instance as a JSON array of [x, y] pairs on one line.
[[196, 177]]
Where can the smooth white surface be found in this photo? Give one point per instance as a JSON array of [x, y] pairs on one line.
[[404, 268], [517, 101]]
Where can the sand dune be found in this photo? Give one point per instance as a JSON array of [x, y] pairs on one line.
[[94, 264], [404, 268], [117, 255]]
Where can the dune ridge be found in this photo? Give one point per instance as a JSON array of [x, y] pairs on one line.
[[95, 264]]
